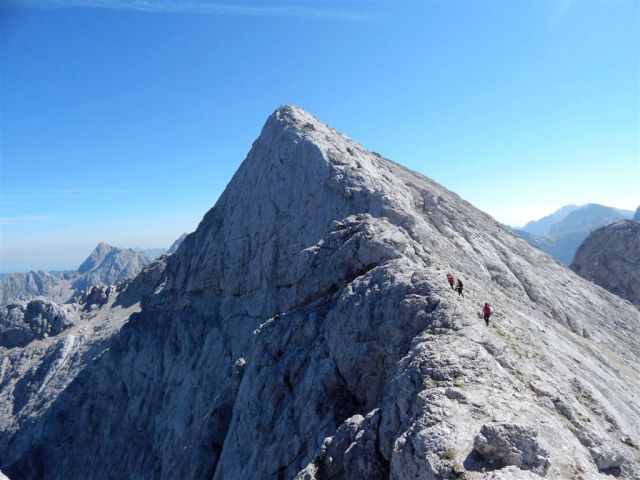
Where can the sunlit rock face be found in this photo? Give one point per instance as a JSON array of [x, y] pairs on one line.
[[306, 330]]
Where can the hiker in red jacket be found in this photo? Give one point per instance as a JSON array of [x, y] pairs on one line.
[[451, 280], [486, 312]]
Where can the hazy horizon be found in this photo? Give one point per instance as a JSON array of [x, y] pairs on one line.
[[124, 121]]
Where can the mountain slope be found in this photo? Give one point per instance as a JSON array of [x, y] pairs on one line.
[[610, 257], [306, 329]]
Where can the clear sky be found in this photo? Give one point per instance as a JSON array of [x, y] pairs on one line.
[[123, 120]]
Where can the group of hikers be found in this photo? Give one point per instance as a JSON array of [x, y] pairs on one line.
[[458, 286]]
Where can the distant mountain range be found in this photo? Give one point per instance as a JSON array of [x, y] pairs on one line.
[[105, 265], [153, 253], [560, 233]]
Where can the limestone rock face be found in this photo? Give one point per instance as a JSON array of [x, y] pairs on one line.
[[512, 444], [20, 323], [306, 330], [610, 257]]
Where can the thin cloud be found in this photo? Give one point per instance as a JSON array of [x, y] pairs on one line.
[[23, 219], [561, 11], [202, 8]]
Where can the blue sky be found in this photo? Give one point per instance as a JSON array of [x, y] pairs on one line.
[[123, 120]]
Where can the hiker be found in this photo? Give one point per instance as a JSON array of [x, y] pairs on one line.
[[459, 287], [486, 312], [451, 280]]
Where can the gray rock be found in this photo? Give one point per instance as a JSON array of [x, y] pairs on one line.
[[610, 257], [351, 453], [306, 328], [605, 454], [512, 444], [20, 323], [94, 297]]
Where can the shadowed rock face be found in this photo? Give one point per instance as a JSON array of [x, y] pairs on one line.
[[610, 257], [306, 330]]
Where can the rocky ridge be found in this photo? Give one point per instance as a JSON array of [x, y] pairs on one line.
[[174, 246], [610, 257], [305, 330]]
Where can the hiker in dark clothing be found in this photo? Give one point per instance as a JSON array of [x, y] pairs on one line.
[[459, 287], [451, 281], [486, 312]]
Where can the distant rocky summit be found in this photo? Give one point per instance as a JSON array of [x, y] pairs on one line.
[[306, 331], [560, 233], [108, 265], [105, 265], [636, 216], [543, 226], [610, 257]]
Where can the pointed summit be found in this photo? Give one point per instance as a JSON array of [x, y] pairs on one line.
[[107, 265], [96, 257], [306, 330]]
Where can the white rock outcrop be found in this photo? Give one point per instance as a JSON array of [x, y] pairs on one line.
[[306, 330]]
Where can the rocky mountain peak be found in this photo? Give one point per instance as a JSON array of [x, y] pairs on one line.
[[96, 257], [306, 330]]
